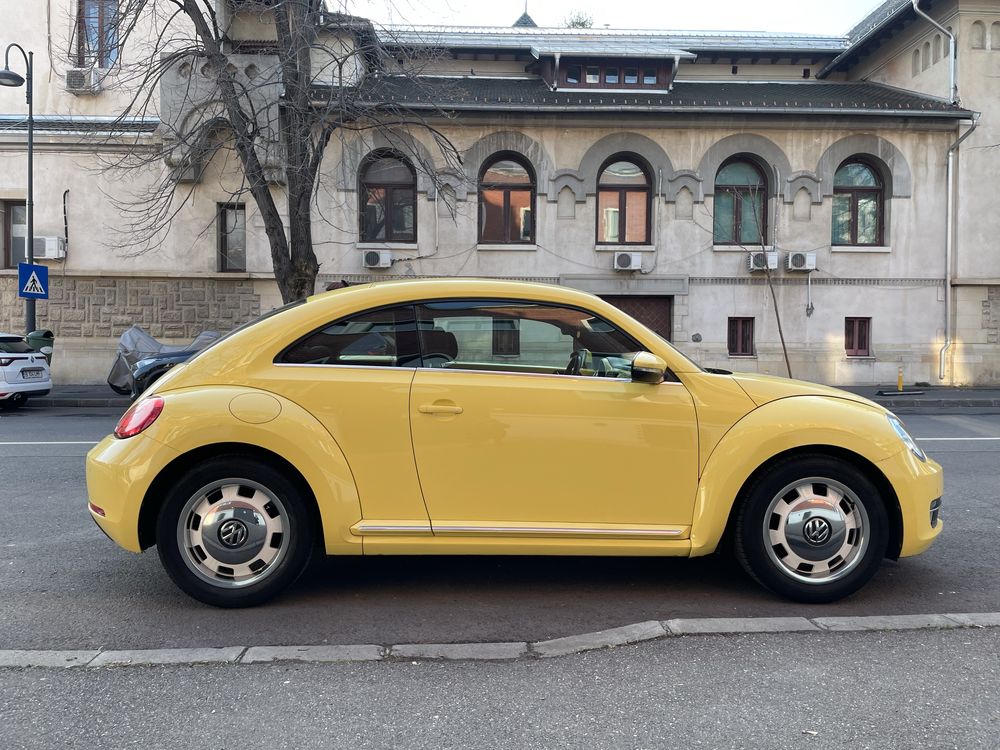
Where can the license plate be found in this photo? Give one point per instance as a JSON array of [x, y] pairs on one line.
[[33, 373]]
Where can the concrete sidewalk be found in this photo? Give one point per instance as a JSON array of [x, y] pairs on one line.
[[933, 397]]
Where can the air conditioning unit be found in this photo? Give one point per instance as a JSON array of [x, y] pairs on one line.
[[801, 261], [49, 248], [760, 260], [628, 261], [377, 259], [83, 81]]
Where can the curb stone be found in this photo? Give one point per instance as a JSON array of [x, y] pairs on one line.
[[891, 622], [159, 656], [51, 659], [721, 625], [314, 654], [485, 651], [574, 644], [640, 631]]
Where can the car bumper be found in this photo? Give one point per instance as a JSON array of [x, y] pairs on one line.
[[34, 388], [118, 476], [917, 485]]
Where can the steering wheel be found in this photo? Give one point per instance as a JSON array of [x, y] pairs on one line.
[[577, 361]]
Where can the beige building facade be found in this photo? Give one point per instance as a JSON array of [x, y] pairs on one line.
[[891, 270]]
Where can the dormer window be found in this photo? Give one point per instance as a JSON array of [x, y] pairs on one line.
[[615, 74]]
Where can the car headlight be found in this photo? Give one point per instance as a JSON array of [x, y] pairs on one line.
[[908, 441]]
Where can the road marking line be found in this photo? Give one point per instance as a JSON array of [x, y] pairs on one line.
[[53, 442]]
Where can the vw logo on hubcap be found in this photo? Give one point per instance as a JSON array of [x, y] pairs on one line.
[[817, 531], [233, 533]]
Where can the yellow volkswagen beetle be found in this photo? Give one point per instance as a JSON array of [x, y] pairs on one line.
[[459, 416]]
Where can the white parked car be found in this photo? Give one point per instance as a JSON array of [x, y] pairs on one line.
[[23, 372]]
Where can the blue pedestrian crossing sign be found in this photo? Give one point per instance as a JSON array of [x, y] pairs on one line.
[[32, 281]]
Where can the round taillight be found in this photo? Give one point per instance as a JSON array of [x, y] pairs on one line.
[[139, 416]]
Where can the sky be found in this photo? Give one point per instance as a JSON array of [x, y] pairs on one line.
[[829, 18]]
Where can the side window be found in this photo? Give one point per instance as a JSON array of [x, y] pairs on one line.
[[519, 336], [382, 338]]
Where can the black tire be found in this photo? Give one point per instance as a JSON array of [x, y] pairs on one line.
[[16, 401], [812, 528], [211, 509]]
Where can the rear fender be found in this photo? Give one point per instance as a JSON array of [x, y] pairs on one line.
[[202, 417]]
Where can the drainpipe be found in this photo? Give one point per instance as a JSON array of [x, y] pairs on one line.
[[948, 245], [951, 50]]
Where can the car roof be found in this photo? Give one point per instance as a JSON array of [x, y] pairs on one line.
[[393, 290]]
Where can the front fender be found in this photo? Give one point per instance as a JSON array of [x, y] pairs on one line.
[[774, 428], [197, 418]]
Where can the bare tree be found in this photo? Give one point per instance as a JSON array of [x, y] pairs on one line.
[[275, 97], [578, 20], [754, 234]]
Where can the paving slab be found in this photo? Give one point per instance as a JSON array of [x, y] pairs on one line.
[[707, 625], [886, 622], [315, 654], [21, 658], [145, 657], [639, 631], [486, 651]]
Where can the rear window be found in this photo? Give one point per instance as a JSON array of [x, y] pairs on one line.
[[14, 346]]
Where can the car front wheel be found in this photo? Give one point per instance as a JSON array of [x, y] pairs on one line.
[[233, 532], [812, 528]]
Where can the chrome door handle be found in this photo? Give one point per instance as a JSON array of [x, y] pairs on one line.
[[439, 409]]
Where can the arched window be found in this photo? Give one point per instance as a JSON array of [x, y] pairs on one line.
[[388, 199], [740, 204], [995, 35], [858, 199], [916, 61], [925, 58], [506, 201], [936, 49], [623, 211]]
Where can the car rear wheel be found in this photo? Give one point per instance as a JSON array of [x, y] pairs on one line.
[[233, 532], [812, 528], [15, 401]]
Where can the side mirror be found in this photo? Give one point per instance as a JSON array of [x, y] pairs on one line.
[[648, 368]]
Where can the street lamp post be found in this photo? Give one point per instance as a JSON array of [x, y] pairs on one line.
[[9, 78]]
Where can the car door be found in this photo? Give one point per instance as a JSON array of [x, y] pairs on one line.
[[354, 376], [505, 439]]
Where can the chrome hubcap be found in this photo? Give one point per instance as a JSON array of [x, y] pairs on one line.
[[233, 533], [816, 530]]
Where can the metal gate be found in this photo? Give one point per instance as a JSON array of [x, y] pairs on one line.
[[652, 311]]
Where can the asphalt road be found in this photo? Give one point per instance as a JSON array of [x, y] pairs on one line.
[[64, 585], [875, 691]]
